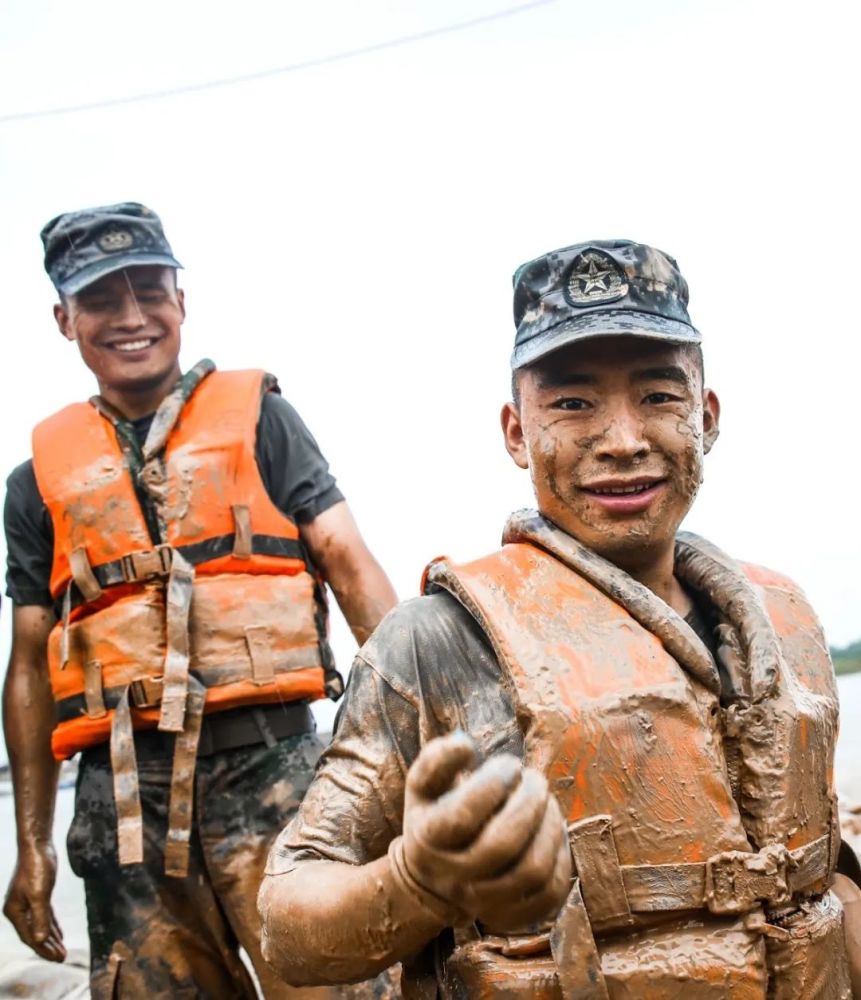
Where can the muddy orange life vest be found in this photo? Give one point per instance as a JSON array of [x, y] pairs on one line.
[[223, 594], [701, 813]]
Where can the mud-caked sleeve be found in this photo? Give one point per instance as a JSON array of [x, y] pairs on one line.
[[293, 469], [353, 808], [29, 539], [427, 670]]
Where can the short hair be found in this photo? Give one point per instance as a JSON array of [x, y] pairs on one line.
[[695, 349]]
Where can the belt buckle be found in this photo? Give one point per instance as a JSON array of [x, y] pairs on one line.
[[138, 694], [737, 880], [147, 565]]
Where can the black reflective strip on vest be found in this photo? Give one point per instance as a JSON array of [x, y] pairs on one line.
[[261, 545], [110, 574]]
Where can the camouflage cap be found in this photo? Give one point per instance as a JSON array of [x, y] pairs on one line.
[[81, 247], [598, 289]]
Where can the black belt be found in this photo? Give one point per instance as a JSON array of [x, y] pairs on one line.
[[229, 730], [249, 726]]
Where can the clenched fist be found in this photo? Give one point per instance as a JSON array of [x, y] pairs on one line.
[[481, 842]]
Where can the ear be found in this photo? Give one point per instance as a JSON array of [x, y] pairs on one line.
[[180, 298], [711, 419], [64, 322], [512, 430]]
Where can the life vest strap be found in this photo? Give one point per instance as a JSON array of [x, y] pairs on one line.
[[730, 883], [596, 862], [574, 950], [93, 694], [243, 539], [176, 850], [127, 797], [260, 654], [180, 584], [127, 787], [146, 691], [156, 563], [82, 574]]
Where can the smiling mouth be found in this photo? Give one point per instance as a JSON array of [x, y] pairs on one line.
[[628, 489], [127, 346]]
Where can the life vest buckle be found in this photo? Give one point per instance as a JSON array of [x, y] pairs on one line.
[[146, 692], [736, 881], [147, 565]]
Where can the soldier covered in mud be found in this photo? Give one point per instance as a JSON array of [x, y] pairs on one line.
[[598, 762], [168, 547]]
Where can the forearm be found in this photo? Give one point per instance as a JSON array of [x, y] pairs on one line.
[[34, 771], [365, 596], [28, 718], [326, 922], [362, 589]]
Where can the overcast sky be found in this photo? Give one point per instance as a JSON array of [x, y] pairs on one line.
[[353, 228]]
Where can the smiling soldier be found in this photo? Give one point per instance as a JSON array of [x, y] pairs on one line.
[[596, 763], [168, 546]]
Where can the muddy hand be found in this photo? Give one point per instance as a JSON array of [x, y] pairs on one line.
[[28, 903], [491, 845]]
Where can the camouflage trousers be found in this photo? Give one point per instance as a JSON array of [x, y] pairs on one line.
[[159, 937]]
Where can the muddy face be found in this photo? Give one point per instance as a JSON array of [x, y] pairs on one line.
[[127, 327], [613, 432]]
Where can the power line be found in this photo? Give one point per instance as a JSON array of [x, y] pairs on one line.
[[229, 81]]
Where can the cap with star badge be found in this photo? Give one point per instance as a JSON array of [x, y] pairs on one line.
[[81, 247], [599, 289]]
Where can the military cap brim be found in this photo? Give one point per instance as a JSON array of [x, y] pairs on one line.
[[618, 323], [100, 268]]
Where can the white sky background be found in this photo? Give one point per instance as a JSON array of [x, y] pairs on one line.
[[353, 228]]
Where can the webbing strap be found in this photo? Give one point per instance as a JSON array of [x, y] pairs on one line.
[[242, 537], [178, 601], [572, 943], [260, 654], [146, 692], [82, 574], [126, 788], [729, 883], [64, 635], [176, 850], [93, 695], [596, 862], [155, 563]]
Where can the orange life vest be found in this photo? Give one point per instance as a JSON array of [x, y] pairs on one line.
[[694, 816], [225, 592]]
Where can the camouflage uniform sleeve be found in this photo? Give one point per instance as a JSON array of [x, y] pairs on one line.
[[353, 808], [426, 671]]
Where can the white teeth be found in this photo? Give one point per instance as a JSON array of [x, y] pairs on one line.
[[133, 345], [615, 490]]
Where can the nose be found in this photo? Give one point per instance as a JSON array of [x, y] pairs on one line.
[[128, 315], [623, 439]]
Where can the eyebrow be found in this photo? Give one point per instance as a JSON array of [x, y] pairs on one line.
[[558, 380], [669, 373]]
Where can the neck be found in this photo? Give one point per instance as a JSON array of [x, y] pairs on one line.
[[137, 401], [658, 575]]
